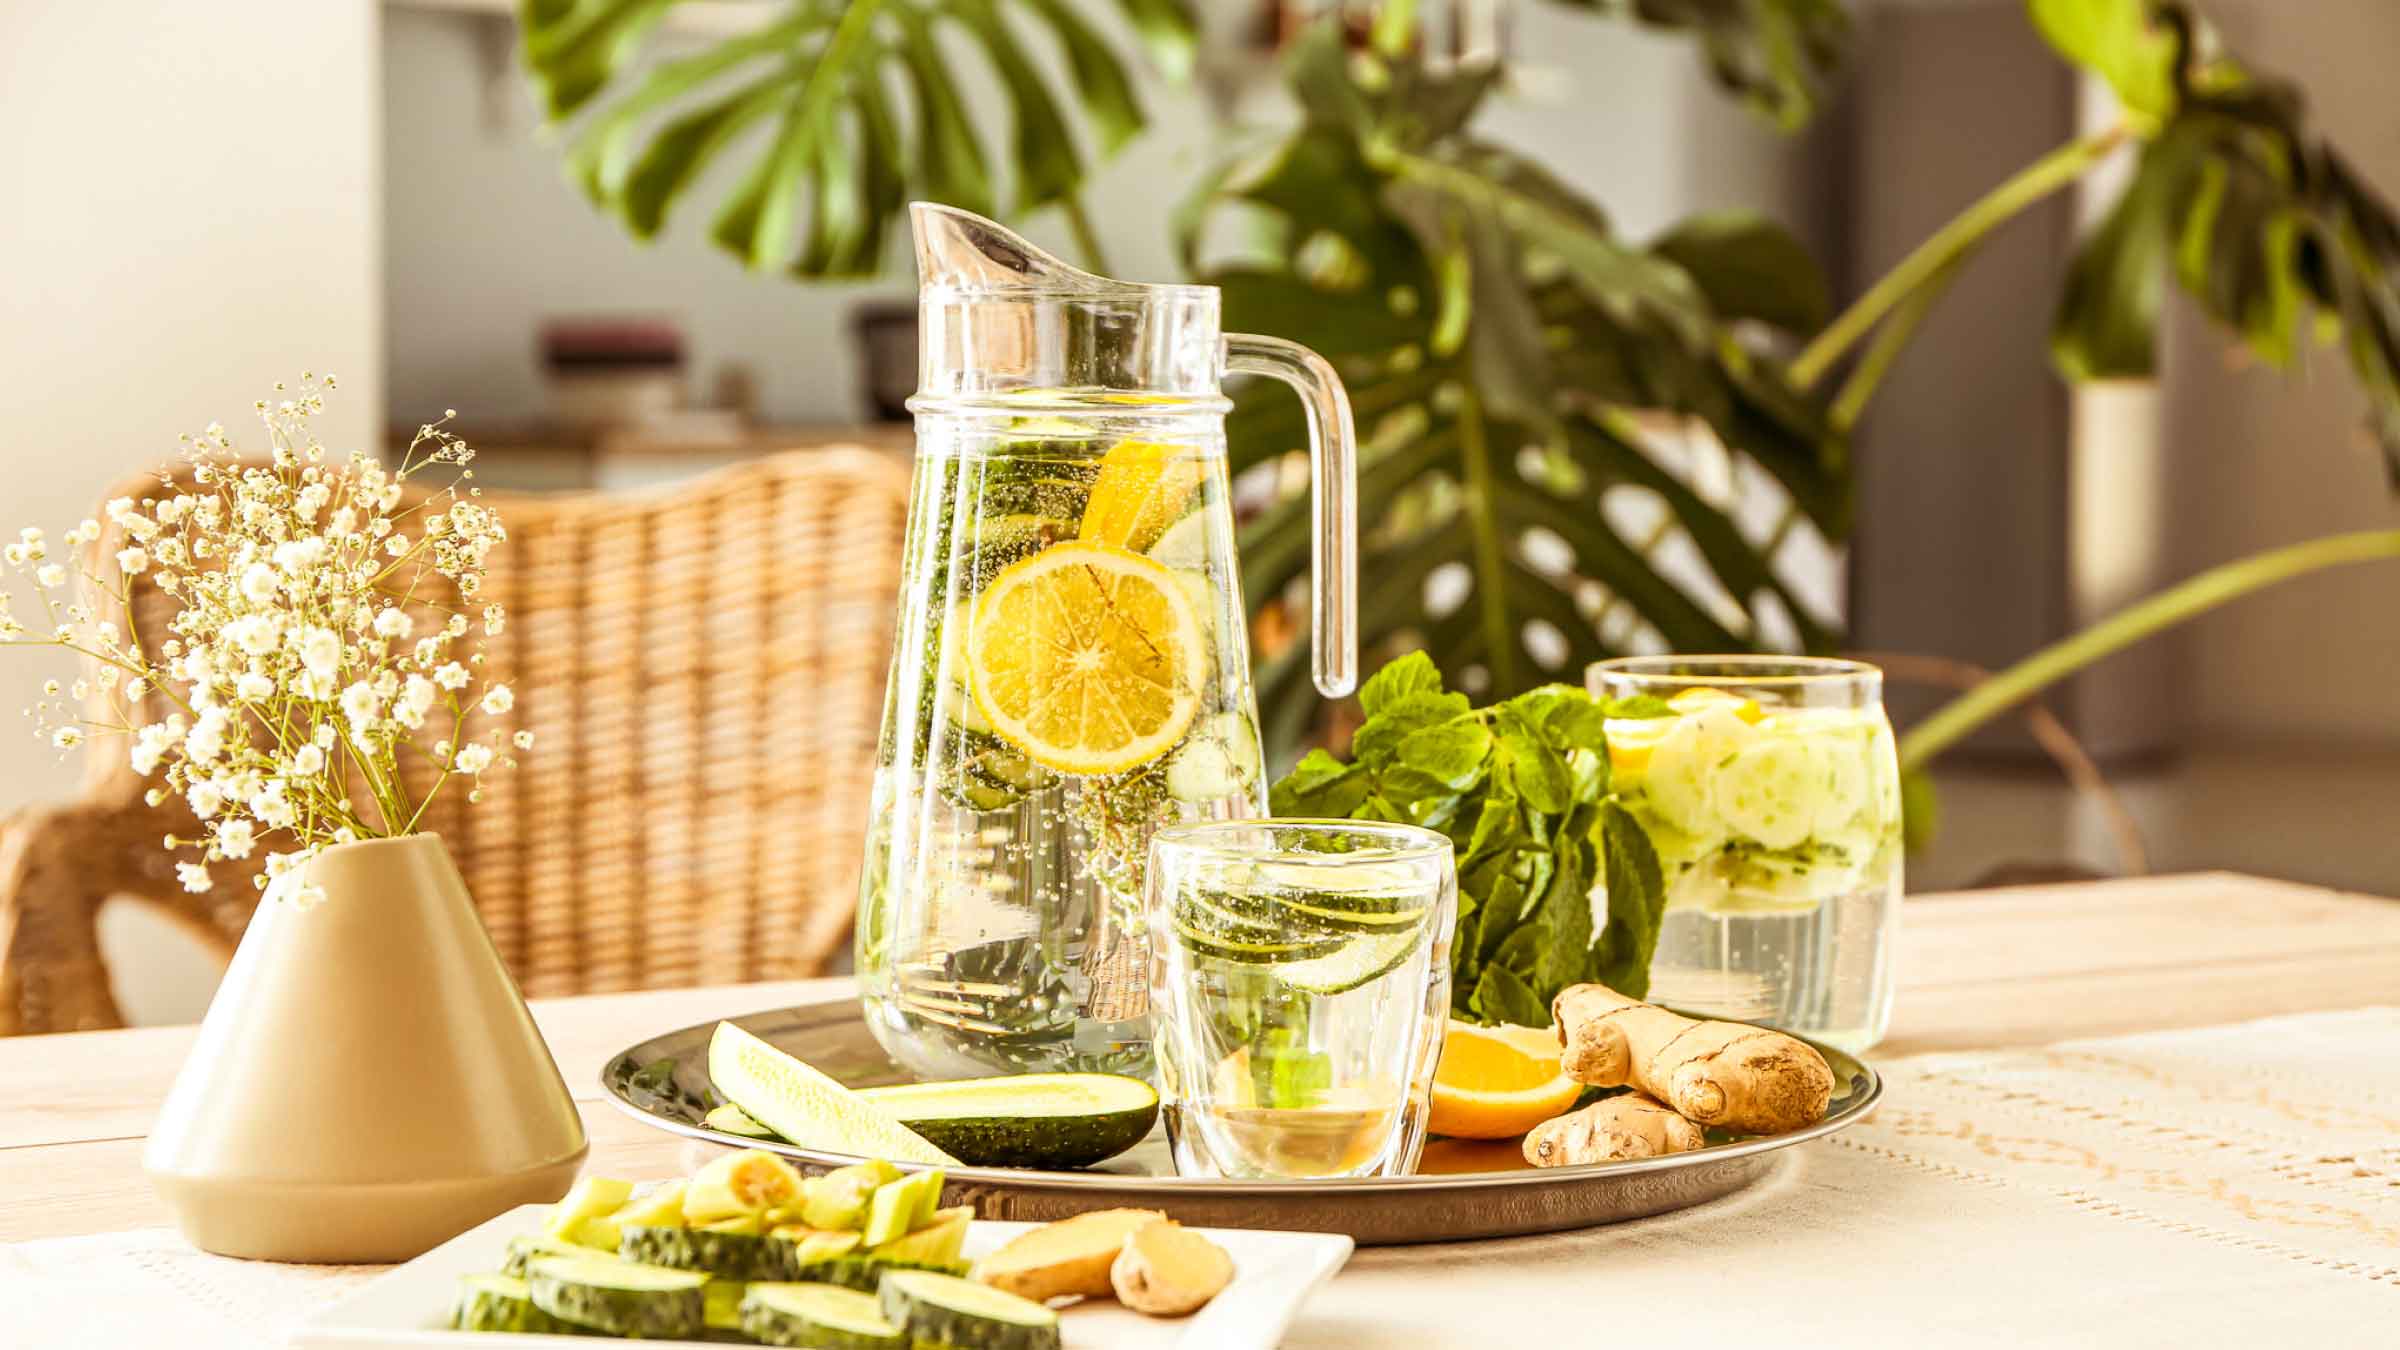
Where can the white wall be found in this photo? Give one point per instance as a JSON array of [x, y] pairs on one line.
[[188, 213], [2266, 458]]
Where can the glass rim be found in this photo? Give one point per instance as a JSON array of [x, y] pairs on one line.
[[1736, 668], [1403, 842]]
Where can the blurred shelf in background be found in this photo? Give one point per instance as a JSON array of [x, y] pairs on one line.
[[539, 456]]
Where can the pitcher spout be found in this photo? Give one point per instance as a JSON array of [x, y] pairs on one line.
[[999, 318]]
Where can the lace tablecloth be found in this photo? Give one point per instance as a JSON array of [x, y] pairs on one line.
[[2235, 1186]]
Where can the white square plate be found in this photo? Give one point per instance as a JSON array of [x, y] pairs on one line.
[[1273, 1274]]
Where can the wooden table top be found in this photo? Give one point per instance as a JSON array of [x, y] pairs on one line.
[[1979, 970]]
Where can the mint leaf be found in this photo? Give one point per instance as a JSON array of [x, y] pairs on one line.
[[1542, 777], [1637, 901], [1452, 753], [1321, 786], [1414, 673], [1567, 917], [1502, 997], [1375, 741]]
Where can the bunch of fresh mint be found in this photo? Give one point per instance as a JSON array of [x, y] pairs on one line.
[[1522, 790]]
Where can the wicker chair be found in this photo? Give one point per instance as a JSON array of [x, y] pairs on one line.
[[703, 672]]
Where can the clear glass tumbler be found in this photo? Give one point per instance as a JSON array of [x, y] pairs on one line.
[[1771, 791], [1301, 979]]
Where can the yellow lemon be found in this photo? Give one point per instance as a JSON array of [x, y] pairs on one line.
[[1088, 658], [1141, 489], [1497, 1082], [1700, 696]]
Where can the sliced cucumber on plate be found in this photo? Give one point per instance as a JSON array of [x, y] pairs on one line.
[[819, 1317], [948, 1310], [619, 1297], [501, 1303]]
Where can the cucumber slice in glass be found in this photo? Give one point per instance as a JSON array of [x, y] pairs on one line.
[[1357, 962], [1769, 789], [1684, 767]]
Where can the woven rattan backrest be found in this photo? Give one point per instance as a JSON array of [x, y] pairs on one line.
[[702, 669]]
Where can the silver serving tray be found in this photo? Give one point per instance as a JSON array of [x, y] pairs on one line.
[[1462, 1189]]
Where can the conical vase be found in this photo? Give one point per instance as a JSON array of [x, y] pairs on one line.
[[367, 1082]]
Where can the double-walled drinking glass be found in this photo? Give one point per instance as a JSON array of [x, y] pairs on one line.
[[1301, 980], [1769, 787]]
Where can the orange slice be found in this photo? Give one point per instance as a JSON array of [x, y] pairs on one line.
[[1141, 490], [1087, 657], [1498, 1082]]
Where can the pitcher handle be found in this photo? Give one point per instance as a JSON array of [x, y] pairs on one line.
[[1333, 499]]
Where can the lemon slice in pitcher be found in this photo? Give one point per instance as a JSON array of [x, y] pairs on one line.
[[1141, 489], [1088, 658]]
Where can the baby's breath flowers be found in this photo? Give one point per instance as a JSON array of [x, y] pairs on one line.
[[326, 632]]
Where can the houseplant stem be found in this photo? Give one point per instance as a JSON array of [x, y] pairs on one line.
[[1932, 259], [2227, 581]]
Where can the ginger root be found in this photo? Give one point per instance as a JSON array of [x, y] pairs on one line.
[[1167, 1270], [1628, 1126], [1071, 1256], [1738, 1077]]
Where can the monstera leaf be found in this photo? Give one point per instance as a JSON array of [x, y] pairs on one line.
[[2260, 221], [1498, 341], [810, 96]]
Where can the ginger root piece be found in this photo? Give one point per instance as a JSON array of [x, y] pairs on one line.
[[1071, 1256], [1167, 1270], [1742, 1078], [1630, 1126]]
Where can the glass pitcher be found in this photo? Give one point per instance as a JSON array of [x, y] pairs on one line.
[[1071, 668]]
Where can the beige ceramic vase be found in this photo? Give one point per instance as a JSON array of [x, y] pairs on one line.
[[368, 1082]]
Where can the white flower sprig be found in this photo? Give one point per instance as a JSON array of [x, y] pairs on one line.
[[315, 646]]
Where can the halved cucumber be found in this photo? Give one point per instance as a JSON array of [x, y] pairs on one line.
[[501, 1303], [805, 1106], [818, 1316], [619, 1297], [1044, 1120], [948, 1310]]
